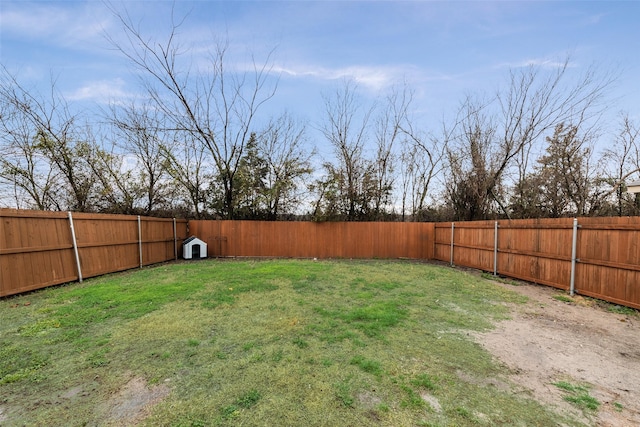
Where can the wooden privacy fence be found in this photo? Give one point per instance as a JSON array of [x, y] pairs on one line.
[[39, 249], [597, 257], [320, 240]]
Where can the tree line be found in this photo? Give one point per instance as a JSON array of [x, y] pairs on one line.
[[197, 145]]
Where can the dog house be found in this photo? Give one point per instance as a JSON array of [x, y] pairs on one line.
[[194, 248]]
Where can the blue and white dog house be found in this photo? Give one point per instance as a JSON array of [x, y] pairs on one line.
[[194, 248]]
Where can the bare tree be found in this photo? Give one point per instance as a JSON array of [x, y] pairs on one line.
[[55, 135], [422, 161], [351, 175], [389, 132], [370, 160], [282, 146], [213, 106], [185, 162], [534, 102], [116, 183], [31, 177], [623, 157], [139, 132], [473, 177]]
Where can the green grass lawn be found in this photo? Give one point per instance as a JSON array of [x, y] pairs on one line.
[[261, 343]]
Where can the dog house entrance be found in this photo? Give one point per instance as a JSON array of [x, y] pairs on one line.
[[195, 251]]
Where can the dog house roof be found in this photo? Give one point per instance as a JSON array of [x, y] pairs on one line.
[[193, 240]]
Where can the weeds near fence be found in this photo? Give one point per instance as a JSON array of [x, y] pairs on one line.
[[505, 280], [563, 298], [597, 303]]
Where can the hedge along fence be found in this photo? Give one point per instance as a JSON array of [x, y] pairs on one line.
[[597, 257], [298, 239], [39, 249]]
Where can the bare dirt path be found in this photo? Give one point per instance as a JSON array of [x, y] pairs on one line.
[[547, 340]]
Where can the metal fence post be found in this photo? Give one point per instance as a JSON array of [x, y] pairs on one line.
[[453, 226], [574, 249], [495, 249], [140, 240], [75, 247]]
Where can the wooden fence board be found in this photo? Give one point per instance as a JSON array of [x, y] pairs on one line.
[[315, 240], [36, 248], [540, 251]]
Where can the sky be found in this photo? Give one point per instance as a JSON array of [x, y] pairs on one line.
[[442, 50]]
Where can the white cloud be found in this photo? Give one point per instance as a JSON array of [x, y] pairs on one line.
[[374, 78], [101, 91], [538, 62], [69, 26], [594, 19]]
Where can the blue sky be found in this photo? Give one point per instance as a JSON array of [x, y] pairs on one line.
[[443, 50]]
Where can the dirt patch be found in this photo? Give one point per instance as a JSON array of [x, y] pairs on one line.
[[133, 402], [369, 399], [548, 340], [433, 402]]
